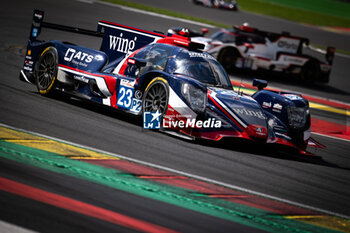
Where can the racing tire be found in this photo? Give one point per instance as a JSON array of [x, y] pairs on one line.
[[46, 71], [228, 58], [310, 72], [156, 97]]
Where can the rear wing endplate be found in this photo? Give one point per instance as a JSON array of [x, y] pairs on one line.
[[38, 23]]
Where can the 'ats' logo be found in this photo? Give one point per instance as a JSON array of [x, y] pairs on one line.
[[120, 44], [81, 56]]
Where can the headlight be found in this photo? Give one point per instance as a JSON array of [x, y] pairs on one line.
[[196, 98], [297, 116]]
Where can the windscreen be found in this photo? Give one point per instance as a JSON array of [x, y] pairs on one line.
[[202, 67]]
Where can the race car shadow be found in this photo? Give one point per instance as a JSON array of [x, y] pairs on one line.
[[268, 150], [97, 108]]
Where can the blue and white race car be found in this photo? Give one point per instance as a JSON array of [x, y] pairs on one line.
[[168, 80]]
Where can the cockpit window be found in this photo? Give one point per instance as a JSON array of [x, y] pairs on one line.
[[224, 37], [238, 37], [202, 67], [157, 58]]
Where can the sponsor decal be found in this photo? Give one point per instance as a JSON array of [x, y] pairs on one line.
[[257, 131], [203, 55], [81, 78], [35, 32], [78, 57], [151, 120], [138, 94], [124, 82], [266, 105], [39, 16], [99, 57], [254, 113], [120, 44], [287, 45], [298, 61], [277, 108], [27, 68]]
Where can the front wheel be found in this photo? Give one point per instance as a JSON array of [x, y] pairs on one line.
[[46, 71], [156, 96]]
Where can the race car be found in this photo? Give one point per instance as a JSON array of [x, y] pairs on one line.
[[245, 47], [220, 4], [168, 80]]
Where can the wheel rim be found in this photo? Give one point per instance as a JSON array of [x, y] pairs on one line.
[[156, 99], [46, 71]]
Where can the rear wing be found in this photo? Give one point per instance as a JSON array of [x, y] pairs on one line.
[[117, 40]]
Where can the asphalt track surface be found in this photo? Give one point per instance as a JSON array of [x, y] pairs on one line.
[[338, 87], [321, 183]]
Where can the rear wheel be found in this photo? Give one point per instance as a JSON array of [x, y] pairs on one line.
[[46, 71], [310, 72], [228, 58]]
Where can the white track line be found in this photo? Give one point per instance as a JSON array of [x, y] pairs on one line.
[[333, 137], [6, 227], [183, 173]]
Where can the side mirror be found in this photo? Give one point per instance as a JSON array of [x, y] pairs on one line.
[[139, 62], [261, 84], [204, 31]]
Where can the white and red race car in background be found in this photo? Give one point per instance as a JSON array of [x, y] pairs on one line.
[[245, 47], [220, 4]]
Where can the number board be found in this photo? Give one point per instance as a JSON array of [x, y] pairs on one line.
[[125, 95]]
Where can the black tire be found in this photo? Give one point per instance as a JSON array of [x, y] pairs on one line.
[[310, 72], [156, 97], [227, 58], [46, 71]]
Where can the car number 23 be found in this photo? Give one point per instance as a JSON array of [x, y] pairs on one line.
[[125, 97]]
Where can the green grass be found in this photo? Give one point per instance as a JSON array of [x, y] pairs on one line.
[[294, 10], [327, 7], [166, 12], [302, 11]]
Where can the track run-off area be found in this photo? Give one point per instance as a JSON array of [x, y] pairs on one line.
[[149, 182], [69, 166]]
